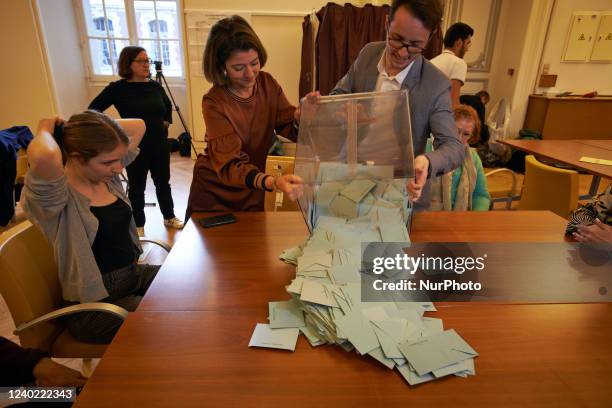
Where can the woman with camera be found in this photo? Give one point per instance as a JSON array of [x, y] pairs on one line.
[[137, 96]]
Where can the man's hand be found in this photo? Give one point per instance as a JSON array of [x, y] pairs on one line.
[[291, 185], [308, 102], [421, 168], [51, 374], [598, 232]]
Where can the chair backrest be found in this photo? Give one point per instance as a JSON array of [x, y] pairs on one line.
[[29, 283], [22, 166], [498, 120], [549, 188], [279, 165]]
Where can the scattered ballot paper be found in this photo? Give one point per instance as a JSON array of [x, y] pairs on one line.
[[436, 352], [326, 305], [285, 314], [593, 160], [264, 336]]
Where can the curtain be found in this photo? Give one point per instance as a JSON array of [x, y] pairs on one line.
[[343, 31], [435, 44], [307, 72]]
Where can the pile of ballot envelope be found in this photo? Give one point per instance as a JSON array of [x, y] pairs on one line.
[[326, 305]]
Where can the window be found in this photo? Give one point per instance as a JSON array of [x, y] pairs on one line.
[[111, 25], [101, 28], [158, 26], [159, 29]]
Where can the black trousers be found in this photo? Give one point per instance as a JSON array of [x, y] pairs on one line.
[[126, 287], [156, 159]]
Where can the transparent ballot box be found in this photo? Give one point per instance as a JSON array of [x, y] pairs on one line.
[[355, 155]]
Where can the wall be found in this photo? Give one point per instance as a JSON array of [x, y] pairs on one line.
[[280, 34], [508, 47], [531, 53], [480, 15], [64, 54], [27, 95], [506, 43], [30, 92], [178, 88], [577, 77], [516, 52]]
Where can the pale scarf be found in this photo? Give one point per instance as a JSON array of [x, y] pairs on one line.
[[441, 199]]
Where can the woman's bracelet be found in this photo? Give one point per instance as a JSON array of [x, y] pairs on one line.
[[274, 184], [263, 183]]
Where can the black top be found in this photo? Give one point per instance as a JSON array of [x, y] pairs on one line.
[[144, 100], [17, 364], [113, 247]]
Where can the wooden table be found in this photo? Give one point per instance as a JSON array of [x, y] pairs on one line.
[[530, 356], [187, 343], [569, 152], [237, 265], [602, 144]]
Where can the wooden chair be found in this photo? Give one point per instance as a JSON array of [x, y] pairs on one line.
[[22, 166], [30, 286]]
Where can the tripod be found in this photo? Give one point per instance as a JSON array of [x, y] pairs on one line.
[[159, 77]]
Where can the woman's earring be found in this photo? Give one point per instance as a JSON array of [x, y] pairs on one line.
[[225, 73]]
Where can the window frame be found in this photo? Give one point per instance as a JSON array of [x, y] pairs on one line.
[[161, 41], [99, 79]]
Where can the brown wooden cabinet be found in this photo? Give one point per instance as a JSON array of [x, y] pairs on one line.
[[570, 117]]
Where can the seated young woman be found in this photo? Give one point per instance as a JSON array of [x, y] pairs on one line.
[[74, 195]]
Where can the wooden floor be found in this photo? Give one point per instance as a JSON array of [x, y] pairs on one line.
[[181, 175], [181, 172]]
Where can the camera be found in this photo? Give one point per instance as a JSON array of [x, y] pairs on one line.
[[158, 66]]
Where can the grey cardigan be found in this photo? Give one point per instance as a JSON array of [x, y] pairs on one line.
[[430, 108], [64, 217]]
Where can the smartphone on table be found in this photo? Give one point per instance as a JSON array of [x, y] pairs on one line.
[[216, 220]]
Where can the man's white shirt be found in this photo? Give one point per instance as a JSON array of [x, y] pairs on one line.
[[381, 144], [384, 82], [451, 65]]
